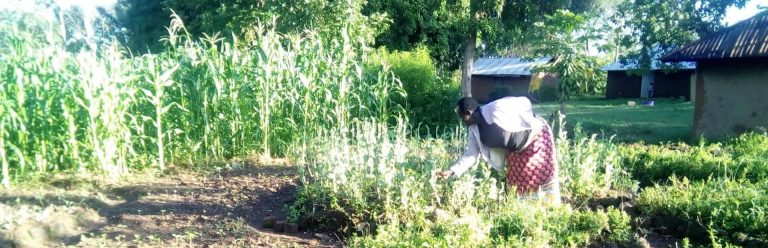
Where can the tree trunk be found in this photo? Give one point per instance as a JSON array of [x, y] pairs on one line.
[[586, 47], [466, 67]]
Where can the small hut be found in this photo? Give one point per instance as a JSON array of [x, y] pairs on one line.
[[663, 80], [493, 78], [731, 78]]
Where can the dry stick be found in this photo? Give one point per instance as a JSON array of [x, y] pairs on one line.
[[338, 239]]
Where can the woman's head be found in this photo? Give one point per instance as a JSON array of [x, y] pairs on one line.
[[466, 106]]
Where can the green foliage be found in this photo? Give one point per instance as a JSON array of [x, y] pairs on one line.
[[412, 22], [239, 17], [430, 97], [16, 23], [592, 166], [740, 158], [750, 148], [444, 25], [506, 25], [197, 101], [441, 25], [515, 224], [526, 226], [578, 75], [656, 27], [566, 36], [731, 208], [319, 97], [140, 18], [437, 24], [374, 175], [78, 32], [722, 187]]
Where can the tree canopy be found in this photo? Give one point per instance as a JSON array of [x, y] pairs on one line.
[[453, 32], [656, 27], [141, 17]]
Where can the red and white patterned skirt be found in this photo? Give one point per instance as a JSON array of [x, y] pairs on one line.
[[534, 165]]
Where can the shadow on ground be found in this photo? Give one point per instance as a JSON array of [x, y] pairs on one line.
[[214, 209]]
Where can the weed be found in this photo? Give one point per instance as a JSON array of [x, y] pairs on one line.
[[374, 173], [744, 157], [727, 206]]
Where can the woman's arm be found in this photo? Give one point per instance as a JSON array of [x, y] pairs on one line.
[[470, 156]]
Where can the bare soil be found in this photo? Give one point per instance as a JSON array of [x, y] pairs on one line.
[[186, 209]]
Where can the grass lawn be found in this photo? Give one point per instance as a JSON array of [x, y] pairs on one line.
[[667, 120]]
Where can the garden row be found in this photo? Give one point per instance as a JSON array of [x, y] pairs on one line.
[[711, 192], [377, 184]]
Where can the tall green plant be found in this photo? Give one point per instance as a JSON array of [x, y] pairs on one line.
[[201, 99], [429, 94], [566, 36], [159, 77]]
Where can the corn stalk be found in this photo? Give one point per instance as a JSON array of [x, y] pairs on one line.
[[159, 78]]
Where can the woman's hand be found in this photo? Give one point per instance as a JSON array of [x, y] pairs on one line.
[[444, 174]]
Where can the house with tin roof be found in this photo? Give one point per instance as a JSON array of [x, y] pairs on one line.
[[662, 80], [731, 80], [494, 78]]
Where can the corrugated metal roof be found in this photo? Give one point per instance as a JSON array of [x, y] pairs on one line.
[[746, 39], [618, 66], [506, 66]]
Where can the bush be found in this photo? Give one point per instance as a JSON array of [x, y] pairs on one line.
[[430, 96]]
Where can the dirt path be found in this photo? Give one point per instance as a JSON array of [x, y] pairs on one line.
[[221, 209]]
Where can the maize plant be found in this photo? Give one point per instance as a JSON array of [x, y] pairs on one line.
[[202, 99]]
